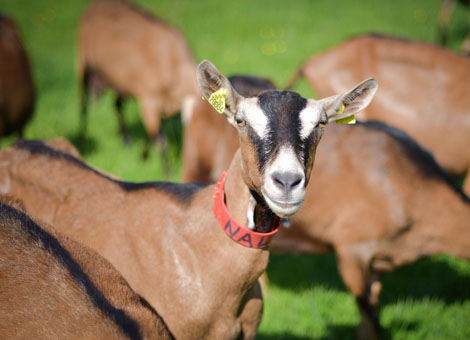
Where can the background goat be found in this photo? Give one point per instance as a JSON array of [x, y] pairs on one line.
[[424, 91], [55, 288], [17, 91], [136, 54]]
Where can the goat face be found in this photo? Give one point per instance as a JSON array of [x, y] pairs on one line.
[[279, 132]]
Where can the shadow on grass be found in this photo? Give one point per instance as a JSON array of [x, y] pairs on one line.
[[284, 336], [301, 272], [350, 332], [432, 277], [172, 129], [85, 146], [340, 332]]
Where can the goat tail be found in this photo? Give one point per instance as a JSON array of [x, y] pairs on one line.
[[295, 78]]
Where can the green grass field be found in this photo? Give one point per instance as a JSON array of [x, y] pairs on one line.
[[307, 300]]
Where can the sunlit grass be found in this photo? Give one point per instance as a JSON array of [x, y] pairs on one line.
[[307, 300]]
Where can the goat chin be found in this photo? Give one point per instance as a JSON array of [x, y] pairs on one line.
[[283, 209]]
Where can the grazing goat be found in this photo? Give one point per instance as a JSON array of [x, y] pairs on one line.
[[445, 14], [423, 91], [55, 288], [179, 245], [375, 198], [136, 54], [17, 91]]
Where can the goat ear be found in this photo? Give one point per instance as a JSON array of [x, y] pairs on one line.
[[211, 81], [349, 103]]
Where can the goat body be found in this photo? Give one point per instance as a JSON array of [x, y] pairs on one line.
[[423, 91], [375, 198], [55, 288], [136, 54], [163, 237], [17, 91]]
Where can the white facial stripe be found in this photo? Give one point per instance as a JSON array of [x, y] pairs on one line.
[[309, 118], [286, 161], [254, 116], [275, 196]]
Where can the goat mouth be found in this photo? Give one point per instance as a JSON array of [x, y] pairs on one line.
[[287, 204], [283, 209]]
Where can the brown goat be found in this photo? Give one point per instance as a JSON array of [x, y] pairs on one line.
[[136, 54], [423, 91], [445, 14], [201, 163], [55, 288], [375, 198], [198, 267], [17, 91]]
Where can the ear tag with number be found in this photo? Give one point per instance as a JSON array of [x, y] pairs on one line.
[[347, 120], [217, 100]]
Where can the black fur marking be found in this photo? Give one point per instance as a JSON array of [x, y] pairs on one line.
[[182, 191], [310, 142], [370, 312], [422, 158], [32, 231], [282, 109], [249, 86]]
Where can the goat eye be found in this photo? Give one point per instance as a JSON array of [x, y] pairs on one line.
[[240, 122], [321, 124]]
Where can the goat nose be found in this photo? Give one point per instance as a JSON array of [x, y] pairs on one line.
[[287, 180]]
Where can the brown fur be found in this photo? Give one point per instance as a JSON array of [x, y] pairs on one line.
[[136, 54], [143, 241], [163, 237], [55, 288], [376, 200], [423, 91], [17, 91], [199, 162]]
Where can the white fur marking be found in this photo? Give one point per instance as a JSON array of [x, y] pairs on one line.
[[309, 118], [286, 161], [254, 116], [250, 214]]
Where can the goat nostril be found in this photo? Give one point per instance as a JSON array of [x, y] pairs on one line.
[[287, 180], [296, 183], [278, 181]]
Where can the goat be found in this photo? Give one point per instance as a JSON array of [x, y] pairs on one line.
[[445, 14], [55, 288], [200, 145], [136, 54], [17, 90], [423, 91], [199, 266], [375, 198]]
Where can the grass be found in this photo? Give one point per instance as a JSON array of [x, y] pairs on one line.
[[307, 300]]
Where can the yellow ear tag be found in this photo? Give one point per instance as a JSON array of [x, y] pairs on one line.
[[347, 120], [340, 110], [217, 100]]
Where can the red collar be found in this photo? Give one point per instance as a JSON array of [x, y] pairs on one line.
[[234, 230]]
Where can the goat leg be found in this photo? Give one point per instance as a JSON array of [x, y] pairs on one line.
[[122, 123], [84, 93]]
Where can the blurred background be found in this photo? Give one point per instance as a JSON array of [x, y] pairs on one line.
[[427, 300]]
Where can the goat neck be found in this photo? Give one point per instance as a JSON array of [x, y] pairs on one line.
[[237, 198]]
